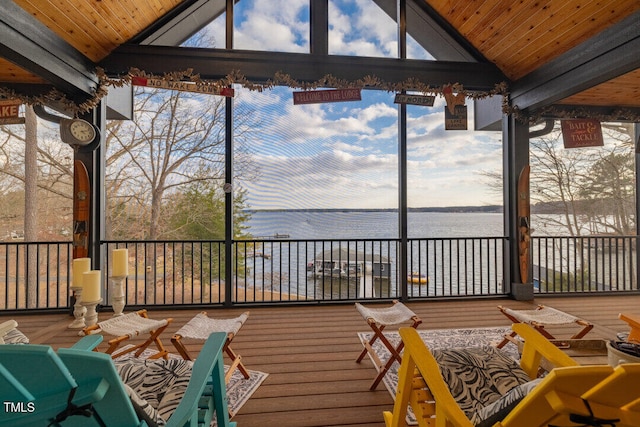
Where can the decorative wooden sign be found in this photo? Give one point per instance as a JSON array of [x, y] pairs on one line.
[[457, 120], [425, 100], [9, 112], [578, 133], [183, 86], [322, 96], [452, 99]]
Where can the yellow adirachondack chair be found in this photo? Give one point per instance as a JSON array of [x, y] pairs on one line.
[[569, 395]]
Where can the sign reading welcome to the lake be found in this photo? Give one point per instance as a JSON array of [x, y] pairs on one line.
[[321, 96], [581, 133], [183, 86]]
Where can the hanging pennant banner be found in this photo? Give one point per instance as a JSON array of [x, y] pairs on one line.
[[426, 100], [183, 86], [322, 96], [578, 133], [457, 120]]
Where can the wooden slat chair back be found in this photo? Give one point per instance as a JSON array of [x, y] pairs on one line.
[[421, 385], [43, 380], [99, 392]]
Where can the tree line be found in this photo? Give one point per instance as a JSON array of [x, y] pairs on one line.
[[164, 171]]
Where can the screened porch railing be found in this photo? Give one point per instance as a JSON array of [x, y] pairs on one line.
[[269, 271]]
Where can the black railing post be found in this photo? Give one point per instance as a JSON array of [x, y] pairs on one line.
[[402, 270], [228, 186], [515, 137]]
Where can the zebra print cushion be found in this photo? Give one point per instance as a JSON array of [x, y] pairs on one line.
[[14, 336], [478, 377], [145, 411], [496, 411], [160, 383]]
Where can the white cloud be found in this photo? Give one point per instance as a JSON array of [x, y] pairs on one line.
[[346, 154], [366, 31]]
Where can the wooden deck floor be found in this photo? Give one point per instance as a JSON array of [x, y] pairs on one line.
[[310, 352]]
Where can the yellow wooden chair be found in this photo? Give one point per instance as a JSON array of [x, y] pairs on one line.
[[569, 392], [634, 324], [587, 395]]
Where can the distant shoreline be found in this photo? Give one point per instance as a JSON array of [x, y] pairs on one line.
[[458, 209]]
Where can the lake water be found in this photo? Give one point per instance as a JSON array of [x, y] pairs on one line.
[[452, 264], [283, 264], [304, 225]]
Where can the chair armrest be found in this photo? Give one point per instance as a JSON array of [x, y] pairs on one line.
[[634, 324], [88, 342], [208, 369], [437, 401], [536, 346]]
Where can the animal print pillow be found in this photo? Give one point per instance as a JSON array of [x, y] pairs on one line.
[[478, 377], [160, 383]]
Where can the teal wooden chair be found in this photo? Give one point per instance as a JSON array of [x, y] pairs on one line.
[[77, 387], [34, 383]]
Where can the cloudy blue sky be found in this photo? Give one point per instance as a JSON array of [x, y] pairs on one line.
[[345, 155]]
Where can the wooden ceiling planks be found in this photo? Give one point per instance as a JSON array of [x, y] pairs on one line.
[[563, 31], [95, 28], [623, 91], [65, 19], [520, 36], [9, 72]]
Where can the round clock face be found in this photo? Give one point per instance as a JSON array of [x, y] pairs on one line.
[[82, 130]]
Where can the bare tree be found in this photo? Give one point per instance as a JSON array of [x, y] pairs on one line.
[[171, 136], [591, 188]]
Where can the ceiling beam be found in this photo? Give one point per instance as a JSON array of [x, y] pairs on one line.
[[618, 114], [433, 32], [605, 56], [33, 47], [261, 66], [180, 23]]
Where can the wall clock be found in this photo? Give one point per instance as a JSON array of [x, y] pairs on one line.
[[77, 132]]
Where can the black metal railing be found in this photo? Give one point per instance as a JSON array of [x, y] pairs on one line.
[[34, 275], [585, 264], [266, 271], [456, 267]]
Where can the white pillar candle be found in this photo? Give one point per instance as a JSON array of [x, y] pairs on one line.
[[91, 286], [80, 266], [120, 263]]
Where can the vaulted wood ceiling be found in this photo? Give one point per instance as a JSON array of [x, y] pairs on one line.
[[577, 52]]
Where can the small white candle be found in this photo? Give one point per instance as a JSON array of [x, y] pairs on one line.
[[80, 266], [91, 287], [120, 265]]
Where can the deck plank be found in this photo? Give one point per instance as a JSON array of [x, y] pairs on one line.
[[309, 351]]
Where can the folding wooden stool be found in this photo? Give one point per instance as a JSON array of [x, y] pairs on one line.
[[201, 326], [378, 319], [539, 318], [131, 325]]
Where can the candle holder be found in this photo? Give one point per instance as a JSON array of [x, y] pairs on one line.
[[118, 299], [91, 316], [79, 310]]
